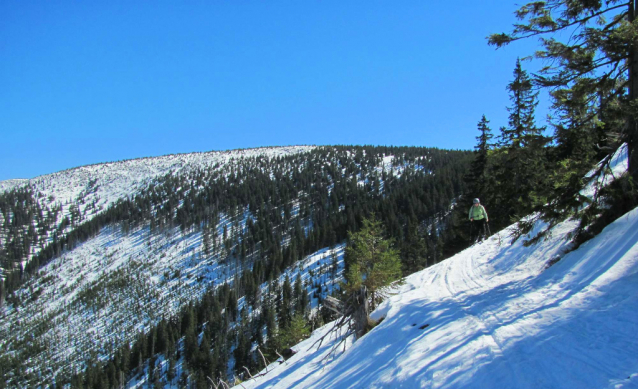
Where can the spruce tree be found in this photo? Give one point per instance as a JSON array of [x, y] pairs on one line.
[[521, 161], [301, 298], [285, 315], [480, 179], [578, 148], [594, 69], [371, 260], [296, 332]]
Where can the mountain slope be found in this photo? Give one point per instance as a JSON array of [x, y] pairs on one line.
[[92, 189], [98, 276], [498, 314]]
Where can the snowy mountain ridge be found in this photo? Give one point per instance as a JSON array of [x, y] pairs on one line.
[[143, 168], [499, 314], [89, 190], [81, 289], [119, 277]]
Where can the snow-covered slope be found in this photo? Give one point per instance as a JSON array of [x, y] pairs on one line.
[[107, 290], [111, 180], [497, 315], [11, 184], [92, 189], [105, 183], [114, 280]]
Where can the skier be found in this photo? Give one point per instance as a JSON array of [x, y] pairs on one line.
[[479, 219]]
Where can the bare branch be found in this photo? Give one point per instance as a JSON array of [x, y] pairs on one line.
[[340, 323], [248, 371], [263, 359], [212, 382], [280, 356]]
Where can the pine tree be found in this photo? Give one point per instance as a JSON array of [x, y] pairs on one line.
[[578, 139], [521, 162], [298, 294], [371, 264], [521, 119], [477, 177], [206, 241], [285, 315], [414, 251], [296, 332], [595, 70], [243, 345]]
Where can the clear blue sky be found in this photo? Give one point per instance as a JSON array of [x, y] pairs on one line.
[[98, 81]]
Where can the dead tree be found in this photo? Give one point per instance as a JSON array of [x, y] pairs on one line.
[[353, 318]]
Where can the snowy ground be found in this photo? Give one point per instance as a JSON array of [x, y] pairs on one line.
[[313, 269], [93, 188], [498, 316], [107, 289]]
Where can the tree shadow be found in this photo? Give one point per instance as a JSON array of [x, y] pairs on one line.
[[553, 330]]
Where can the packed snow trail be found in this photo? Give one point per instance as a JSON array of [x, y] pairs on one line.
[[498, 316]]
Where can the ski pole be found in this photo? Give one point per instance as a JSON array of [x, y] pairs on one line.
[[471, 231]]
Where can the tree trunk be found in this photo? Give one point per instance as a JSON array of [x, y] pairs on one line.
[[361, 313], [632, 130]]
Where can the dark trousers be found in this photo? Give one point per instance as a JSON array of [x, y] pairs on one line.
[[478, 230]]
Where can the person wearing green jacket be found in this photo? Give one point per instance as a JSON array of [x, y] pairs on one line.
[[478, 218]]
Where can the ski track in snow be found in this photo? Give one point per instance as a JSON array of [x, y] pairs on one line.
[[498, 318]]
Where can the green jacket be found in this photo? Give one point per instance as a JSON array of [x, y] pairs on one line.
[[477, 212]]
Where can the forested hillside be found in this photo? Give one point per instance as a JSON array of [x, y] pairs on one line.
[[196, 246], [500, 314], [191, 270]]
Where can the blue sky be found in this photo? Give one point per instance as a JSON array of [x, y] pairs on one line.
[[89, 82]]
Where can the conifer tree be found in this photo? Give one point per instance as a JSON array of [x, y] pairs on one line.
[[296, 332], [521, 161], [372, 261], [206, 241], [594, 70], [301, 298], [479, 181], [578, 148], [285, 315], [242, 350], [414, 251]]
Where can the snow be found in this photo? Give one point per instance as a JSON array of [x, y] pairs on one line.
[[93, 188], [102, 292], [498, 315], [8, 185], [116, 284], [618, 164]]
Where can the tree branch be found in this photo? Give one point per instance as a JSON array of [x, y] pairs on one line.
[[507, 39]]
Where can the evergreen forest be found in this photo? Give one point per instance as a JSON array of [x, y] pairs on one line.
[[262, 216]]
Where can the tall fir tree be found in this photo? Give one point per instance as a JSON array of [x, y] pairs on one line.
[[477, 178], [285, 315], [521, 159], [595, 70], [580, 142]]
